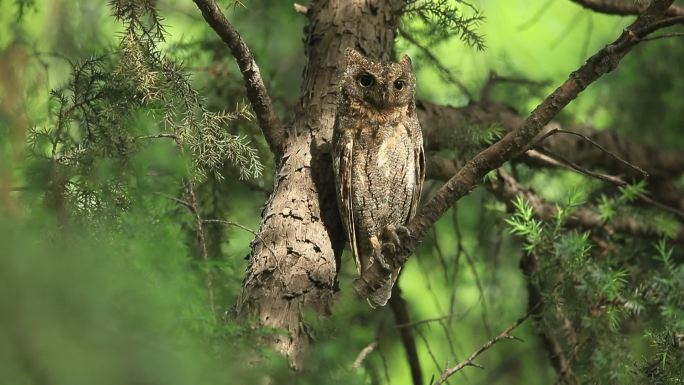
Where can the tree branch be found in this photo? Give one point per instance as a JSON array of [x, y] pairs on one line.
[[506, 189], [624, 7], [517, 141], [269, 122], [401, 317], [440, 123]]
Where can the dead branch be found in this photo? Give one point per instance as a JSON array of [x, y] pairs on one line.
[[257, 94], [516, 141]]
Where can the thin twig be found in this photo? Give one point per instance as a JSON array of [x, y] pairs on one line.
[[494, 78], [201, 237], [158, 136], [537, 15], [229, 223], [563, 162], [470, 361], [667, 35], [424, 321], [445, 72], [594, 143]]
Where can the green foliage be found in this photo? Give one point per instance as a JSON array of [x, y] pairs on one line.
[[94, 115], [590, 294], [443, 19], [523, 224]]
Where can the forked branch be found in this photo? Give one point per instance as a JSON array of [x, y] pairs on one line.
[[258, 97]]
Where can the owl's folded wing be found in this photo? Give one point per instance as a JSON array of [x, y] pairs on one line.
[[419, 163], [342, 164]]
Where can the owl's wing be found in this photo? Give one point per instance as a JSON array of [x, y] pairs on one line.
[[419, 163], [343, 144]]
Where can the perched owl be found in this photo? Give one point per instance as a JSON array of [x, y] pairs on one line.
[[377, 158]]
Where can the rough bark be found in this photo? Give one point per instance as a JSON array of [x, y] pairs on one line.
[[294, 260]]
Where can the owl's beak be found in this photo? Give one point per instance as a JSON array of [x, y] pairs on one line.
[[385, 96]]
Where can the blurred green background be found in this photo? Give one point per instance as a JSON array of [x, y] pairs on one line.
[[117, 295]]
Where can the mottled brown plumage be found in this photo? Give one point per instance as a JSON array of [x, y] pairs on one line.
[[377, 157]]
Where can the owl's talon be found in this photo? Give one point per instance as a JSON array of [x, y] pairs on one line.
[[388, 249], [382, 261], [389, 236], [404, 234], [395, 239]]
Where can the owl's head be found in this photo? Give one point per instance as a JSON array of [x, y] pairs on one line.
[[379, 84]]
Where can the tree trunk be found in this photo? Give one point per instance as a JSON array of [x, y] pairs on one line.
[[295, 259]]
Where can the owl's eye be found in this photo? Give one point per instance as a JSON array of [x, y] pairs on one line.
[[399, 84], [366, 79]]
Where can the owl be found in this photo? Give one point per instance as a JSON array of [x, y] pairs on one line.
[[378, 160]]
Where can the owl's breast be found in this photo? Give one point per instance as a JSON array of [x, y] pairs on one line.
[[383, 176]]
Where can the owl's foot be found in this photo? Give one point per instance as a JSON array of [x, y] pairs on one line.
[[395, 239], [378, 254]]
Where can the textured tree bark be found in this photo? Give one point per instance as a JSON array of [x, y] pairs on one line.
[[294, 261]]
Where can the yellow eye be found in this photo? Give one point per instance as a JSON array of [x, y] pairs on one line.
[[365, 79]]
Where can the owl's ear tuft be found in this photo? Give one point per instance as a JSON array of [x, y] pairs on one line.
[[352, 55], [405, 63]]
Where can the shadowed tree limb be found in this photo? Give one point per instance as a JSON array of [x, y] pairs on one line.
[[624, 7], [518, 140], [257, 94], [401, 317]]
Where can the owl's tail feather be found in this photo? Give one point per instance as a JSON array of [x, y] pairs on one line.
[[382, 294]]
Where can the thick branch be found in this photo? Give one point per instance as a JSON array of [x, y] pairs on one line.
[[517, 141], [258, 97], [624, 7]]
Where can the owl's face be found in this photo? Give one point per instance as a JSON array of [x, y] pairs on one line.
[[381, 85]]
